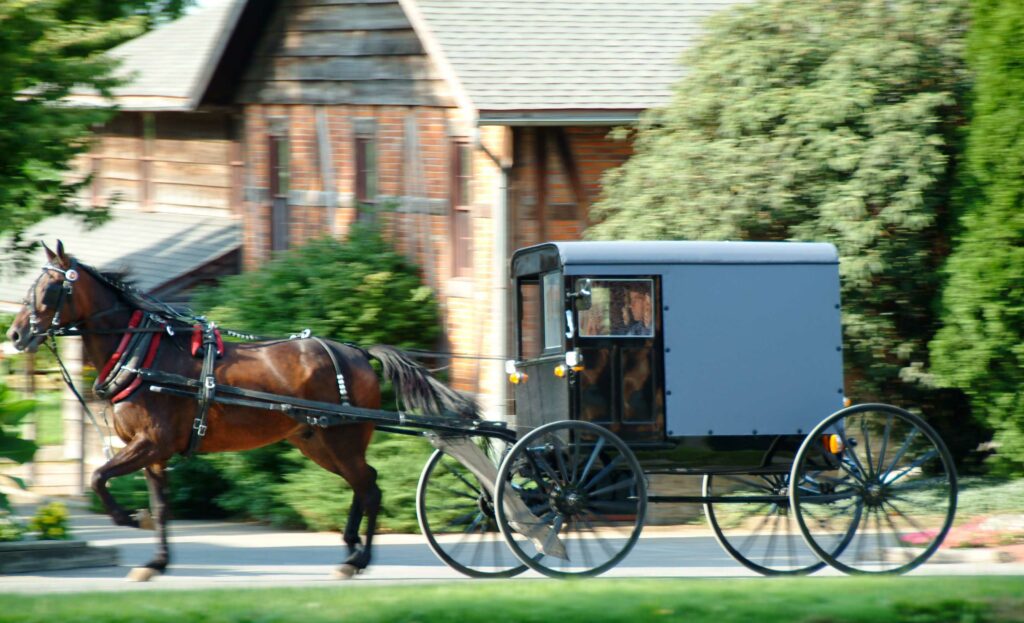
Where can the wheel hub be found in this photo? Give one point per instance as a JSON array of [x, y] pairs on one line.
[[569, 501]]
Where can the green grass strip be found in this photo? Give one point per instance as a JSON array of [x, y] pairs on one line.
[[810, 600]]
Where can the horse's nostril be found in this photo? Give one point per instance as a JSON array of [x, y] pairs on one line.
[[13, 336]]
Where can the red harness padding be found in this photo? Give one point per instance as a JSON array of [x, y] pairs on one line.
[[132, 324], [150, 355], [197, 340]]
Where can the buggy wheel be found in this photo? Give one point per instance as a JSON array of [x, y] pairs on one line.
[[756, 527], [886, 471], [456, 515], [577, 494]]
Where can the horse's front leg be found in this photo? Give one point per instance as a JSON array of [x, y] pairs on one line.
[[139, 453]]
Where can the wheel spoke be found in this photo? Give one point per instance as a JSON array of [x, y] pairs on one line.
[[604, 473], [593, 457], [458, 475], [885, 442], [546, 467], [913, 524], [622, 484], [597, 537], [560, 460], [931, 454], [867, 447], [903, 450]]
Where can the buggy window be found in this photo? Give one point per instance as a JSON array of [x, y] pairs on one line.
[[619, 308], [529, 319], [552, 311]]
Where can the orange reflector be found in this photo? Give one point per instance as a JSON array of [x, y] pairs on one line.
[[833, 443], [577, 368], [847, 402], [517, 377], [561, 370]]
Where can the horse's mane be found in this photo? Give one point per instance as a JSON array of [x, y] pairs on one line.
[[120, 283]]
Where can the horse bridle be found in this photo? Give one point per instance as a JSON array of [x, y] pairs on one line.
[[54, 296]]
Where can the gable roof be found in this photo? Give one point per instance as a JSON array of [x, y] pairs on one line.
[[505, 60], [561, 55], [169, 67]]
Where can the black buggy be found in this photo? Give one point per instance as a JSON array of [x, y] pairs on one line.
[[718, 359]]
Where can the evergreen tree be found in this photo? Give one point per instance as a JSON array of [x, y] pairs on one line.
[[808, 120], [981, 345]]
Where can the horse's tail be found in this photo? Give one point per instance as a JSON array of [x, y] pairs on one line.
[[418, 389]]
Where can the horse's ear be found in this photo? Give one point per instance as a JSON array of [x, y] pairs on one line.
[[49, 254], [61, 257]]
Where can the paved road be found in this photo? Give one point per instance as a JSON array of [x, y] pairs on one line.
[[224, 555]]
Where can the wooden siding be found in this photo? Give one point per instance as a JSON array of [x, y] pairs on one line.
[[342, 52], [186, 165]]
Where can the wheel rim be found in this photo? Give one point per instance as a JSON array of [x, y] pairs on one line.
[[590, 497], [761, 535], [895, 482], [456, 515]]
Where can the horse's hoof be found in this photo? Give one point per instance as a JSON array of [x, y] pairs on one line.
[[346, 572], [144, 519], [142, 574]]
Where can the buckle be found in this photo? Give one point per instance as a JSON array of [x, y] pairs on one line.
[[209, 382], [199, 427]]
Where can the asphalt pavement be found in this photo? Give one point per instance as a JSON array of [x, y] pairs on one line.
[[215, 554]]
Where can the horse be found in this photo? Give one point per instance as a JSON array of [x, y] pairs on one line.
[[70, 296]]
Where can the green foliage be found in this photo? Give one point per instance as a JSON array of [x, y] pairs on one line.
[[803, 120], [50, 523], [11, 528], [981, 345], [359, 290], [49, 49], [12, 412]]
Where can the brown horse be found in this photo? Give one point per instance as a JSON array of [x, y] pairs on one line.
[[71, 295]]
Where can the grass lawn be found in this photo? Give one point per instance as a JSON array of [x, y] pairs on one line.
[[812, 600]]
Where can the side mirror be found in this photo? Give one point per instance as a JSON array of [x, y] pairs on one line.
[[582, 295]]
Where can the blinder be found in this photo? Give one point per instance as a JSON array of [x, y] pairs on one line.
[[51, 295]]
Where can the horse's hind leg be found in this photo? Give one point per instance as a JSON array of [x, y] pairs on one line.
[[367, 494], [342, 450], [355, 518]]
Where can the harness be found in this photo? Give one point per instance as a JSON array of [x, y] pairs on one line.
[[131, 363]]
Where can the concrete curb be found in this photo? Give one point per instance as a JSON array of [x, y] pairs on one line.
[[24, 556]]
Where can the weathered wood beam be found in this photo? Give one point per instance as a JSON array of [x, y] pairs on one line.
[[540, 152], [572, 172]]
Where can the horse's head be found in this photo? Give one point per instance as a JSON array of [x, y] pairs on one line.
[[47, 304]]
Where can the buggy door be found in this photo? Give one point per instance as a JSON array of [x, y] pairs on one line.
[[621, 385], [543, 397]]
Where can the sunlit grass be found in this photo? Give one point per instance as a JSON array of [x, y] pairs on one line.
[[720, 600]]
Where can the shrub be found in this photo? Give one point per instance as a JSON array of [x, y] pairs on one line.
[[50, 523], [11, 529]]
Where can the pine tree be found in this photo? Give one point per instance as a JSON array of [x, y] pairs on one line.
[[809, 120], [981, 345], [48, 48]]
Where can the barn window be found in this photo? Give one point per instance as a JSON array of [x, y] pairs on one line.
[[279, 173], [462, 201], [366, 172]]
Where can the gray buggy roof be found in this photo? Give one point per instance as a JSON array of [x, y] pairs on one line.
[[669, 252]]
